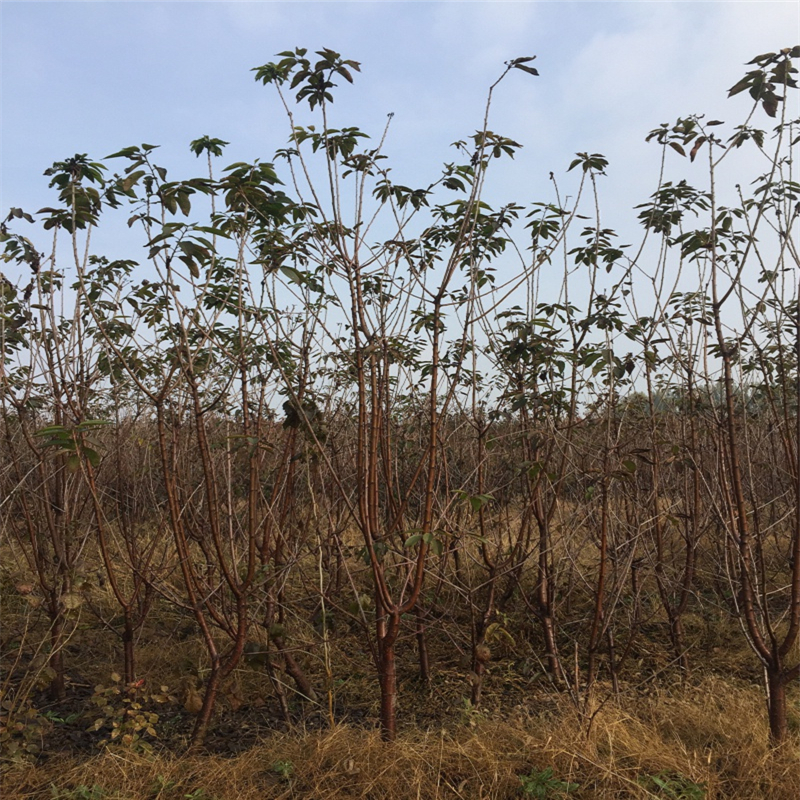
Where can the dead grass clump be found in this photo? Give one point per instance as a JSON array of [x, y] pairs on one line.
[[337, 764], [708, 737], [724, 724], [714, 736]]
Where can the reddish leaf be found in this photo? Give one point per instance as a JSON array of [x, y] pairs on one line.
[[697, 145]]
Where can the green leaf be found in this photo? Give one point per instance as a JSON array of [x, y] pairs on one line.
[[770, 104], [184, 202], [743, 84], [534, 470], [436, 546], [293, 275], [126, 152], [62, 443], [51, 429], [132, 179], [762, 57], [92, 456]]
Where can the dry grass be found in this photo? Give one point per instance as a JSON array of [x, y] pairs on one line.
[[714, 734]]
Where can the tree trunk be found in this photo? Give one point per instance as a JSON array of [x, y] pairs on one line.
[[302, 683], [387, 629], [422, 649], [551, 649], [206, 711], [127, 646], [58, 689], [388, 681], [280, 692], [776, 683], [676, 635]]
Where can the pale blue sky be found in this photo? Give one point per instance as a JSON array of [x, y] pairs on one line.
[[96, 76]]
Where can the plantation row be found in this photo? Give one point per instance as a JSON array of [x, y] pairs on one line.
[[343, 410]]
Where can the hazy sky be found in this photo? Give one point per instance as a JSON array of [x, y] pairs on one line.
[[92, 77]]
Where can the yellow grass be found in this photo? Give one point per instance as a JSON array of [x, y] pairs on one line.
[[713, 735]]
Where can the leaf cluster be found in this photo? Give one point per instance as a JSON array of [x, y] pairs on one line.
[[315, 80], [775, 70]]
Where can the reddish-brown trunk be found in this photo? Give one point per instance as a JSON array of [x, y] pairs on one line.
[[776, 682], [543, 592], [207, 709], [613, 666], [58, 688], [280, 692], [551, 652], [478, 670], [676, 637], [388, 681], [422, 650], [128, 651], [597, 621], [293, 668]]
